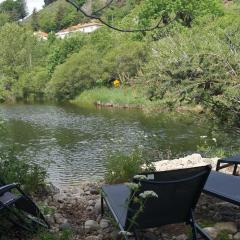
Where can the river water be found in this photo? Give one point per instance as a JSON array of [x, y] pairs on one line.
[[72, 143]]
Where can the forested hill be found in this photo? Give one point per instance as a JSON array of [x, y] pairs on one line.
[[191, 60], [60, 14]]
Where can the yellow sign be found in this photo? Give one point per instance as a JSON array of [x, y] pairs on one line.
[[116, 83]]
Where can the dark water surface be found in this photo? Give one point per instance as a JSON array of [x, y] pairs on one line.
[[73, 142]]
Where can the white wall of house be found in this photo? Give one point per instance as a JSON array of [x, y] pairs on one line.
[[84, 29]]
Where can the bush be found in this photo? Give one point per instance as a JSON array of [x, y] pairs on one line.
[[201, 68], [121, 167], [78, 73], [30, 176]]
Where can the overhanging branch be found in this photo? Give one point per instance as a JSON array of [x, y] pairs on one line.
[[94, 16]]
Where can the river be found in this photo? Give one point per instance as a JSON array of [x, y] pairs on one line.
[[74, 142]]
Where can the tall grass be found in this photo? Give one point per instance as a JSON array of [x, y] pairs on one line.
[[106, 95]]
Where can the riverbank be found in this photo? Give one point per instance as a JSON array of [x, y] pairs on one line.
[[77, 210]]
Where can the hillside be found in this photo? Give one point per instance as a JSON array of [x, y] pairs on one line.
[[190, 62]]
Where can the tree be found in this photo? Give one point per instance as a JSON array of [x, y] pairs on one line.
[[34, 20], [15, 9], [17, 46], [4, 18], [47, 2]]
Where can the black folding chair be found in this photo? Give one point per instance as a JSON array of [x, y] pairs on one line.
[[223, 186], [19, 209], [178, 193], [229, 161]]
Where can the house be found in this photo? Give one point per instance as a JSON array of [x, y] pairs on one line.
[[85, 28], [41, 35]]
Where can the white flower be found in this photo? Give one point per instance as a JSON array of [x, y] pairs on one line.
[[133, 186], [203, 136], [148, 194], [140, 177], [125, 233], [214, 139]]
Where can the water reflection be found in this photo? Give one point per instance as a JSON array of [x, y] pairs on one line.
[[74, 142]]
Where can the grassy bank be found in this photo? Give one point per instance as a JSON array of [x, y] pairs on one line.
[[103, 95]]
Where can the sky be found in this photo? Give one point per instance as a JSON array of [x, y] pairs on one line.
[[31, 4]]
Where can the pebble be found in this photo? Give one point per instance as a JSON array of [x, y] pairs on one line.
[[104, 223]]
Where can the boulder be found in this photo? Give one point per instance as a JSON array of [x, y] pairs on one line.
[[182, 237], [97, 206], [229, 227], [91, 225], [211, 231], [65, 225], [104, 223], [236, 236]]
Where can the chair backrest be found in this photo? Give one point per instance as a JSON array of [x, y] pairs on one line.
[[178, 192]]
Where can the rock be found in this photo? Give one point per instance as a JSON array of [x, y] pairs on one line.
[[94, 191], [52, 189], [211, 231], [89, 209], [59, 197], [91, 225], [104, 223], [182, 237], [59, 219], [90, 202], [236, 236], [80, 192], [65, 225], [92, 238], [50, 219], [229, 227], [97, 206]]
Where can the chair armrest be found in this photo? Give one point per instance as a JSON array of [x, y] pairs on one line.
[[8, 187]]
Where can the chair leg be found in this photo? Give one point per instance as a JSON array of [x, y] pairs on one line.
[[218, 166], [102, 206], [136, 235], [193, 226], [202, 233], [235, 169]]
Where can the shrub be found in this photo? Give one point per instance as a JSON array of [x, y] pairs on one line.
[[121, 167], [201, 68], [79, 72], [30, 176]]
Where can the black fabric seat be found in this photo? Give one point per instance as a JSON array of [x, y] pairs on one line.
[[178, 192], [28, 215], [118, 197], [223, 186], [8, 198]]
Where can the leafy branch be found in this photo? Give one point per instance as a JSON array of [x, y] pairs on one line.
[[95, 16]]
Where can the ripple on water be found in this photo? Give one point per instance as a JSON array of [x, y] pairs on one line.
[[73, 143]]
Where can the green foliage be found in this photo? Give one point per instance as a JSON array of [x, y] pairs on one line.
[[4, 18], [185, 10], [31, 177], [15, 9], [223, 236], [201, 68], [15, 54], [62, 49], [46, 235], [83, 75], [56, 16], [121, 167]]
